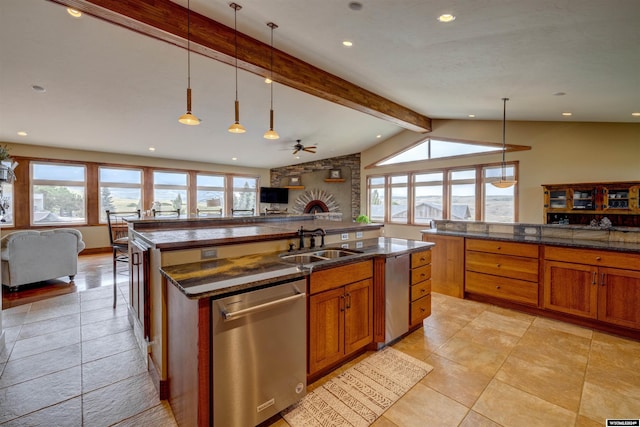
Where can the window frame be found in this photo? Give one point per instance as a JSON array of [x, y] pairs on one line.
[[58, 183], [116, 184]]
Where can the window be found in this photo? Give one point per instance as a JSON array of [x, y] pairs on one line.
[[499, 203], [210, 192], [6, 204], [460, 194], [428, 197], [58, 193], [120, 190], [376, 186], [399, 199], [462, 205], [170, 191], [245, 190]]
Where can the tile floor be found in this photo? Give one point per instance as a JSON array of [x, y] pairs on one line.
[[71, 361]]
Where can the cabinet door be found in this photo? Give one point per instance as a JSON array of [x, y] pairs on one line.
[[326, 328], [619, 297], [358, 316], [139, 289], [571, 288], [447, 264]]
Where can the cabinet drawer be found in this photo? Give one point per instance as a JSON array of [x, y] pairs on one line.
[[420, 309], [420, 290], [501, 287], [508, 248], [503, 265], [421, 273], [339, 276], [420, 258], [622, 260]]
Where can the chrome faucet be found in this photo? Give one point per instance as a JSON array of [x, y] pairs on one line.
[[311, 233]]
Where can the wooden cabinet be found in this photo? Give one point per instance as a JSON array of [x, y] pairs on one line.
[[584, 202], [447, 264], [340, 313], [420, 295], [593, 284], [505, 270]]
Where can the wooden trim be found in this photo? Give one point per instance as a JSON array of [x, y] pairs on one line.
[[378, 299], [167, 21]]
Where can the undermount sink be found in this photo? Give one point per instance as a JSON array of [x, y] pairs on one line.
[[319, 255]]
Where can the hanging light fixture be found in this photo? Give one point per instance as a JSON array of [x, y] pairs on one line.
[[236, 127], [504, 182], [271, 134], [188, 118]]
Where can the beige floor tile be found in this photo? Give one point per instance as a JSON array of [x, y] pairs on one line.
[[421, 343], [583, 421], [108, 345], [482, 333], [611, 350], [555, 384], [599, 403], [384, 422], [43, 327], [111, 369], [102, 328], [159, 416], [40, 364], [473, 419], [625, 380], [500, 322], [511, 313], [553, 348], [455, 381], [68, 299], [41, 343], [67, 414], [557, 325], [448, 324], [51, 312], [509, 406], [424, 407], [477, 357]]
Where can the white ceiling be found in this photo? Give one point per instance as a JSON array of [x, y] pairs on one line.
[[115, 90]]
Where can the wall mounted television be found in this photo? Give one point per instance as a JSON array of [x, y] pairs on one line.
[[274, 195]]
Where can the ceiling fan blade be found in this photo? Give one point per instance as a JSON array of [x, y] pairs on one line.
[[296, 151], [310, 149]]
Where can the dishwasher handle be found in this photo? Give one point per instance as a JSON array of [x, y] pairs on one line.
[[233, 315]]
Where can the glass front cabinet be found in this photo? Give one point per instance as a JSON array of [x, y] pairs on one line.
[[590, 203]]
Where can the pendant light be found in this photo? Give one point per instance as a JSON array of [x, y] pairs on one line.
[[271, 134], [504, 182], [236, 127], [188, 118]]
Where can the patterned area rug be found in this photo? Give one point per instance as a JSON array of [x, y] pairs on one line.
[[358, 396]]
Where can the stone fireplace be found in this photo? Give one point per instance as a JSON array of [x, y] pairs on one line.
[[318, 202]]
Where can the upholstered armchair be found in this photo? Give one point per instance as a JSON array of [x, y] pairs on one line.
[[31, 256]]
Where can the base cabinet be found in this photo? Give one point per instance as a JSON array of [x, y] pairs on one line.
[[447, 274], [341, 317], [420, 294]]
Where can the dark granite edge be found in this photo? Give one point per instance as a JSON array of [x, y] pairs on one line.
[[553, 241]]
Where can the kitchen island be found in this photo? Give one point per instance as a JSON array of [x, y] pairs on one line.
[[585, 275], [181, 271]]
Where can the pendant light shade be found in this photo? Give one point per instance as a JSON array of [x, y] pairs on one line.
[[504, 182], [271, 134], [188, 118], [236, 127]]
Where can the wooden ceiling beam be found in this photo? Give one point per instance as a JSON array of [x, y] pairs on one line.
[[167, 21]]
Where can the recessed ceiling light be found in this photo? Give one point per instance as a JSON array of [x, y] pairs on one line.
[[22, 133], [636, 114], [472, 115], [378, 136], [354, 5], [559, 94], [268, 80], [152, 148], [347, 43], [234, 158], [567, 113], [74, 12], [38, 89], [446, 17]]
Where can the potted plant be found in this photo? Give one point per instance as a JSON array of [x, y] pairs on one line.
[[363, 219], [6, 171]]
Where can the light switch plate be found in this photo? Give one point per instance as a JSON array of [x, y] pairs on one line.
[[209, 253]]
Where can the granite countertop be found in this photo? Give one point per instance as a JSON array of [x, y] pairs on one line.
[[177, 238], [215, 278], [575, 242]]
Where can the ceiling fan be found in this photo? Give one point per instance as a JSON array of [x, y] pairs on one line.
[[297, 147]]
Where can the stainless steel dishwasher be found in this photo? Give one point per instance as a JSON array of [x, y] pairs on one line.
[[396, 290], [259, 353]]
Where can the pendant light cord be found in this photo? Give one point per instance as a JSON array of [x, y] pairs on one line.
[[189, 44], [271, 64], [504, 130], [235, 36]]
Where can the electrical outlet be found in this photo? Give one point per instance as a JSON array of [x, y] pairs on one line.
[[209, 253], [344, 236], [359, 234], [359, 245]]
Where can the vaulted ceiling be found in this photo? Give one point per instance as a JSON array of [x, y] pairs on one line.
[[108, 87]]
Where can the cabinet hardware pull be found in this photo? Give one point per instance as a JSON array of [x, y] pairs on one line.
[[422, 309], [598, 258], [595, 278], [348, 300], [423, 290], [135, 258], [604, 279], [498, 265], [499, 247], [422, 274], [423, 259], [498, 287]]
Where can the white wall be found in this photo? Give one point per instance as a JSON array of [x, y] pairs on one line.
[[561, 152]]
